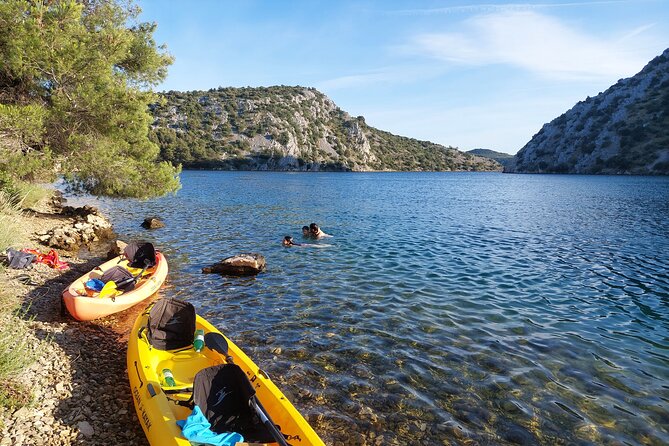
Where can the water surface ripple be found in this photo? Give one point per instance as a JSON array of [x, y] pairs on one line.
[[451, 308]]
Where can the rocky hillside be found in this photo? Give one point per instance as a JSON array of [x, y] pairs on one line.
[[287, 128], [624, 130], [503, 158]]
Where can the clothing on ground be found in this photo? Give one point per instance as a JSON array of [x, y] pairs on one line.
[[51, 259], [18, 259]]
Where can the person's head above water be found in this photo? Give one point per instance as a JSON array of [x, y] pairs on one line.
[[316, 232], [305, 230], [288, 241]]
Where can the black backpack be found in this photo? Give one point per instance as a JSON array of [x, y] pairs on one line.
[[222, 393], [171, 324], [140, 254], [122, 278]]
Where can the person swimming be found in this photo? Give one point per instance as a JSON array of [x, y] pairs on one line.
[[305, 231], [288, 241], [316, 232]]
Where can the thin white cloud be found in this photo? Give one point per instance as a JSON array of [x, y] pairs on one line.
[[493, 8], [355, 80], [636, 32], [386, 75], [534, 42]]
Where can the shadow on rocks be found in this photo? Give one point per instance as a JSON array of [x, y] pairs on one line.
[[82, 387]]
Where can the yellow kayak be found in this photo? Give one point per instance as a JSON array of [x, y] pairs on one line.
[[160, 405]]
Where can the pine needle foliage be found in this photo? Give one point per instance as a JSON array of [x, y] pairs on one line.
[[75, 80]]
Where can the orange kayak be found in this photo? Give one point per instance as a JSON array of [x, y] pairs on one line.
[[85, 306]]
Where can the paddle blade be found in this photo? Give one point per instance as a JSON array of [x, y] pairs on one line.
[[217, 343], [108, 290]]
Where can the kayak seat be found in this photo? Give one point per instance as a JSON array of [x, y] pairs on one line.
[[223, 393], [140, 254], [171, 324]]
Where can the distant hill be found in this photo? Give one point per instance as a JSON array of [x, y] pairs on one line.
[[288, 128], [500, 157], [624, 130]]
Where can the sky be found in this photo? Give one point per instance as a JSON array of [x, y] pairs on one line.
[[462, 73]]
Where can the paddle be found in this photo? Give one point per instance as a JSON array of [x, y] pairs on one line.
[[111, 287], [125, 282], [109, 290], [218, 343]]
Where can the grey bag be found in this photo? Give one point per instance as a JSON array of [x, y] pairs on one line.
[[122, 278], [18, 259]]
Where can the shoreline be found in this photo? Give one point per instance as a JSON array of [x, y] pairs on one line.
[[78, 382]]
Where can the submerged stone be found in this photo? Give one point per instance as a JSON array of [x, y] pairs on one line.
[[245, 264], [152, 223]]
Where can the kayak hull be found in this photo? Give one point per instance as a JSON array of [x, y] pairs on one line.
[[87, 308], [158, 414]]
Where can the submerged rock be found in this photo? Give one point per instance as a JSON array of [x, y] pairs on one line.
[[245, 264], [153, 223]]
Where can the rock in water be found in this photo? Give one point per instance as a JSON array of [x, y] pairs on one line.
[[153, 223], [245, 264]]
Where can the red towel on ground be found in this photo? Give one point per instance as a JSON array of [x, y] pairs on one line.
[[50, 259]]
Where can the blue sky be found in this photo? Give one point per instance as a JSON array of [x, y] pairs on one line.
[[466, 74]]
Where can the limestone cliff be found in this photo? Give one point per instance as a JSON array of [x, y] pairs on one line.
[[624, 130], [287, 128]]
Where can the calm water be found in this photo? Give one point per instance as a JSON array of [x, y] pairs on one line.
[[451, 307]]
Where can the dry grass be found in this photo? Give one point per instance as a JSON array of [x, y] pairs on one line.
[[32, 194], [15, 353], [11, 230]]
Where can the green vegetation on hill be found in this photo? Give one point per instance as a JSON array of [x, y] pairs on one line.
[[74, 80], [500, 157], [286, 128]]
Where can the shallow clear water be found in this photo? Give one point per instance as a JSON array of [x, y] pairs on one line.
[[450, 308]]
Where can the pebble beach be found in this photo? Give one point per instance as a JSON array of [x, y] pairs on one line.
[[79, 383]]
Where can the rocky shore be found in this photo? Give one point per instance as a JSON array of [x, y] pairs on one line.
[[79, 383]]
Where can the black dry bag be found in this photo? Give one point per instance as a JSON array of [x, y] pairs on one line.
[[171, 324]]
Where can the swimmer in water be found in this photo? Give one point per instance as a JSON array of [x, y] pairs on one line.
[[316, 232], [288, 241]]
